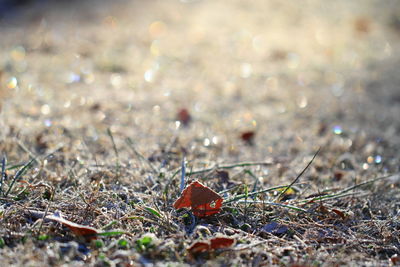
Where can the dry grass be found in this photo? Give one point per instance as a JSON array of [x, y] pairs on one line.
[[95, 104]]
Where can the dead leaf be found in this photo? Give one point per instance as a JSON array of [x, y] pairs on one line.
[[221, 242], [339, 213], [201, 199], [275, 228], [248, 137], [184, 116], [87, 232], [210, 245]]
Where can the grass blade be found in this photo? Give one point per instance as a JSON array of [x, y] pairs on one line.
[[236, 198], [3, 173], [153, 211], [117, 164], [231, 166], [140, 156], [19, 174], [183, 172], [111, 233], [298, 176], [273, 204]]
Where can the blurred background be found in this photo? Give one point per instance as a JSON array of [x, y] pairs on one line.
[[297, 75]]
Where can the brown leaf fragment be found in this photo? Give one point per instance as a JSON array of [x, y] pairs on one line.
[[339, 213], [184, 116], [87, 232], [221, 242]]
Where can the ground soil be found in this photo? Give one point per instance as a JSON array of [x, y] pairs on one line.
[[92, 92]]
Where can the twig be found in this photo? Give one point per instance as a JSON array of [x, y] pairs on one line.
[[254, 193], [33, 156], [298, 176], [166, 189], [140, 156], [44, 216], [183, 172], [115, 150], [230, 166], [272, 204], [344, 192], [3, 173], [248, 246]]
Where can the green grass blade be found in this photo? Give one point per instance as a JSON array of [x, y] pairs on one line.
[[111, 233], [19, 174], [153, 211]]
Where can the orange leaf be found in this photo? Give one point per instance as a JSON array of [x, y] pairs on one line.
[[184, 116], [248, 137], [78, 229], [339, 213], [201, 199], [199, 247], [210, 245], [221, 242]]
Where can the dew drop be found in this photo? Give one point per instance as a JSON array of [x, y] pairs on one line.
[[215, 140], [18, 53], [246, 70], [157, 29], [378, 159], [149, 76], [45, 109], [206, 142], [115, 80], [47, 123], [337, 130], [302, 102], [73, 78], [12, 83]]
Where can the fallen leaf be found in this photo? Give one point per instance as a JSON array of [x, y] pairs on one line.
[[395, 259], [199, 247], [221, 242], [210, 245], [184, 116], [339, 213], [248, 137], [275, 228], [201, 199], [78, 229], [362, 25]]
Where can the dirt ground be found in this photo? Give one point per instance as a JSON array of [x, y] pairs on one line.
[[91, 92]]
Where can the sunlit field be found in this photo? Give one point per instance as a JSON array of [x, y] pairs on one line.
[[215, 133]]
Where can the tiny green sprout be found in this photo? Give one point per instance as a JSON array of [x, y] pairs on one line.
[[98, 244], [43, 237], [2, 243], [47, 194], [102, 256], [233, 211], [123, 243], [245, 227], [153, 211], [144, 243]]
